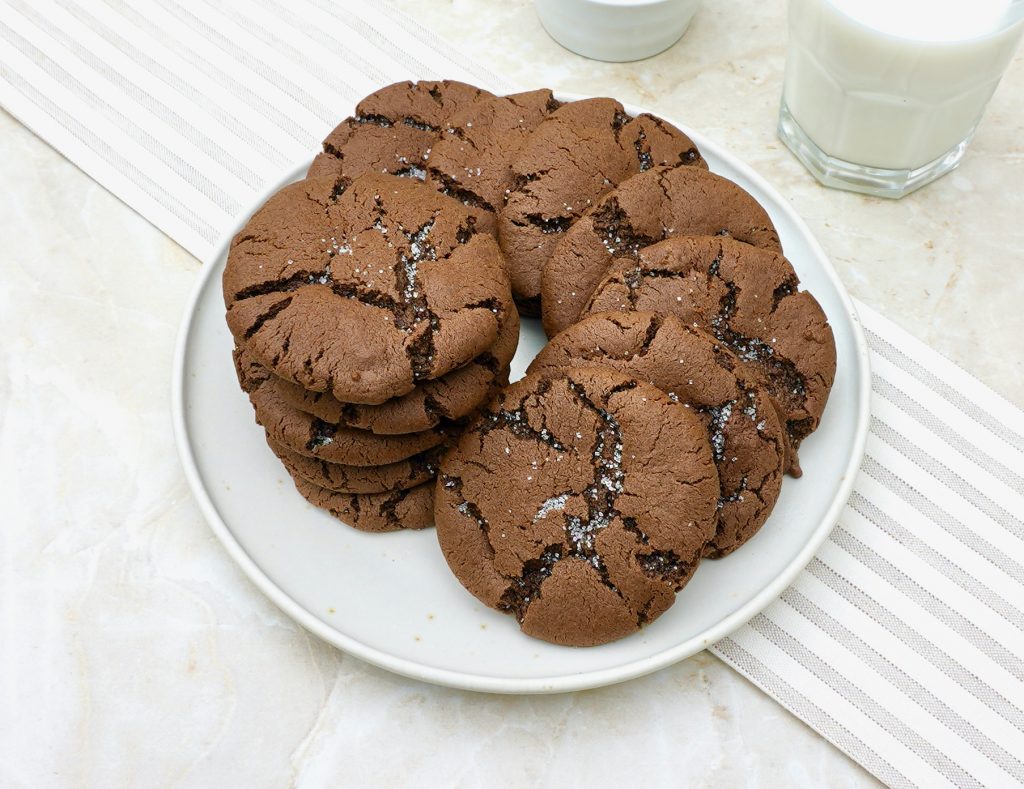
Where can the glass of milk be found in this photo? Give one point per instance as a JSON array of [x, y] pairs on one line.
[[883, 96]]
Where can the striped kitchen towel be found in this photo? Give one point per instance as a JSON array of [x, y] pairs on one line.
[[900, 642]]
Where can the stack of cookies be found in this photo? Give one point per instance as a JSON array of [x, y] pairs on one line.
[[375, 310], [369, 318]]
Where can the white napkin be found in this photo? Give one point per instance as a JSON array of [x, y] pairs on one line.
[[900, 642]]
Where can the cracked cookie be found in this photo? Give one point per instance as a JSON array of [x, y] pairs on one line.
[[748, 298], [411, 508], [472, 161], [307, 435], [452, 396], [695, 369], [646, 209], [580, 504], [340, 478], [575, 156], [365, 289], [394, 129]]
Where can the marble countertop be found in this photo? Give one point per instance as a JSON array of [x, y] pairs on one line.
[[134, 652]]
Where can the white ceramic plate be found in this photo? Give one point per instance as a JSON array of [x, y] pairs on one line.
[[390, 599]]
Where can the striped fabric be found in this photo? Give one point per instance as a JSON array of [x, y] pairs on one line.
[[185, 110], [900, 643]]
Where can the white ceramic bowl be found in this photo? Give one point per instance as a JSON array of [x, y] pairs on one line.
[[616, 30]]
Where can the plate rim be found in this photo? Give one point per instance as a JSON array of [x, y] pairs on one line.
[[519, 685]]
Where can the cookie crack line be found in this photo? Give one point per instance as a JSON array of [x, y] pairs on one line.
[[288, 284], [716, 428], [321, 434], [720, 416], [643, 152], [411, 171], [603, 492], [307, 278], [266, 316], [388, 509], [619, 237], [667, 566], [516, 422], [435, 93], [456, 191], [526, 588], [547, 225], [414, 305], [784, 380], [386, 123], [520, 181], [690, 155], [619, 120], [470, 510]]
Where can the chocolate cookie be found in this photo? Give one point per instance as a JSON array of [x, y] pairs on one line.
[[314, 438], [364, 290], [452, 396], [642, 211], [251, 374], [579, 504], [340, 478], [412, 508], [749, 299], [394, 129], [579, 153], [695, 369], [472, 161]]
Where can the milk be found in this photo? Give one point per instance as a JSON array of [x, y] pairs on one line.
[[895, 84]]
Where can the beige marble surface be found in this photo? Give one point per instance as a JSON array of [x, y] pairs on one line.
[[134, 653]]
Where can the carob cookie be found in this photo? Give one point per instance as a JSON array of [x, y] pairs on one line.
[[472, 161], [411, 508], [363, 290], [394, 129], [747, 298], [453, 396], [579, 153], [579, 504], [644, 210], [305, 434], [695, 369], [340, 478]]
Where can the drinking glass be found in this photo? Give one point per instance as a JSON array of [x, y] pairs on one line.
[[883, 96]]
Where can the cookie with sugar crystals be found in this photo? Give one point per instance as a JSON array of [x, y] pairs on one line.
[[579, 504], [579, 153], [472, 161], [452, 396], [644, 210], [749, 298], [394, 129], [365, 289], [695, 369]]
